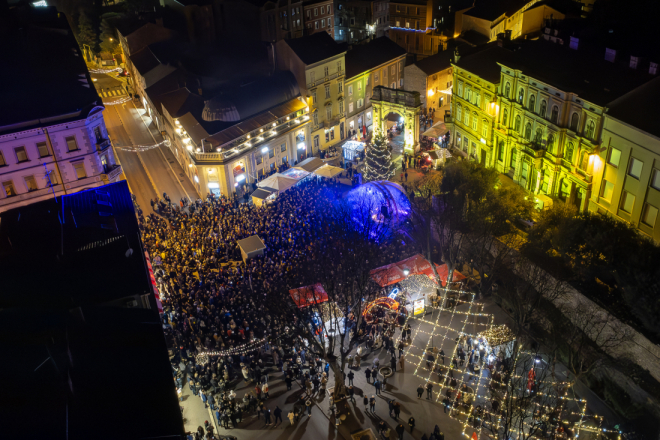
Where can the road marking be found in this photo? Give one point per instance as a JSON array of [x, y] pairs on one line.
[[163, 154]]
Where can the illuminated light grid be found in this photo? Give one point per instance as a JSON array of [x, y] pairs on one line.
[[458, 321], [139, 148], [115, 69], [118, 101]]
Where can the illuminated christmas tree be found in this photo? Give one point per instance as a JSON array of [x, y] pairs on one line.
[[379, 165]]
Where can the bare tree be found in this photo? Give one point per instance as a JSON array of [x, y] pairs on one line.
[[358, 241]]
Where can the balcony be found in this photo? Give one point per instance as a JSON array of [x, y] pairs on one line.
[[102, 144], [110, 173], [87, 181], [30, 195]]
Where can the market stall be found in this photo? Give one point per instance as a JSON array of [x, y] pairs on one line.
[[499, 341], [415, 265], [439, 157], [278, 182], [261, 196], [251, 247], [327, 317], [352, 149], [310, 164], [328, 171], [295, 173]]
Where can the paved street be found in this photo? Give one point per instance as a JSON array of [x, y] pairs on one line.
[[152, 171]]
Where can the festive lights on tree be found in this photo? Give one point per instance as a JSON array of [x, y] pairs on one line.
[[379, 165]]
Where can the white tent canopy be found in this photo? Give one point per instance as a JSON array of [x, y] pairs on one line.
[[328, 171], [310, 164], [278, 182]]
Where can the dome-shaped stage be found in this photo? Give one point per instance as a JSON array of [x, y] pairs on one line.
[[382, 199]]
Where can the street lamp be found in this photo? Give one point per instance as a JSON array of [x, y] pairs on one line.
[[405, 272]]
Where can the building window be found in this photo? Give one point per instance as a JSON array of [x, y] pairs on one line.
[[500, 152], [575, 120], [332, 133], [507, 90], [30, 183], [10, 191], [322, 10], [338, 66], [328, 113], [376, 77], [260, 159], [282, 148], [569, 152], [340, 87], [466, 121], [525, 171], [544, 109], [272, 166], [584, 163], [316, 25], [517, 124], [21, 154], [591, 129], [271, 153], [314, 100], [327, 92], [468, 94], [627, 202], [606, 190], [521, 96], [459, 113], [635, 168], [71, 143], [98, 134], [398, 23], [514, 155], [323, 25], [653, 68], [532, 103], [459, 90], [615, 157], [649, 215], [316, 12], [484, 129], [360, 103], [655, 179], [341, 108], [474, 121], [2, 160], [528, 131], [350, 90], [80, 170], [359, 85], [505, 117], [538, 136], [392, 70], [350, 107], [633, 62], [315, 117], [555, 114], [316, 142], [43, 149]]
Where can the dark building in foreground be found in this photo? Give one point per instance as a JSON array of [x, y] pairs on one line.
[[79, 326]]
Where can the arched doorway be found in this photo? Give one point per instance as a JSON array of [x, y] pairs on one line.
[[407, 105]]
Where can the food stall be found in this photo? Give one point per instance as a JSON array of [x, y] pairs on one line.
[[328, 316], [352, 149], [262, 196]]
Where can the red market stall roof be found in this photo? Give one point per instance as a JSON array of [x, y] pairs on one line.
[[416, 265], [308, 295]]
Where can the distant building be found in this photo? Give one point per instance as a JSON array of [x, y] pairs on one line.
[[381, 20], [517, 17], [319, 17], [53, 138], [432, 78], [354, 21], [377, 63], [318, 64], [412, 27], [282, 19]]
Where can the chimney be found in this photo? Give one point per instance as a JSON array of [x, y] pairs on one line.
[[574, 43], [199, 87], [457, 55], [507, 35], [610, 55]]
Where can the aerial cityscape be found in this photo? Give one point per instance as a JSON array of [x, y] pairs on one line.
[[330, 219]]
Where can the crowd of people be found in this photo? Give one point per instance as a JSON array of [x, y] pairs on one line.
[[214, 303]]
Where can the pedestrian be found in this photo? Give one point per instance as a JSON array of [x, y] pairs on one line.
[[264, 388], [278, 414], [442, 356], [406, 174], [393, 363], [377, 385], [350, 376], [400, 430], [367, 373], [308, 404], [390, 405], [291, 417], [401, 362], [365, 400], [372, 403], [267, 415], [420, 391], [351, 393], [397, 410], [288, 381], [429, 390], [411, 423]]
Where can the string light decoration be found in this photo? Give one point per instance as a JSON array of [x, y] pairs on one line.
[[254, 345], [379, 164], [140, 148], [114, 69], [464, 319]]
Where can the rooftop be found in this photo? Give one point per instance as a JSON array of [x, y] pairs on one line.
[[639, 107], [77, 258], [443, 59], [484, 63], [33, 91], [490, 10], [316, 47], [365, 57], [145, 35]]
